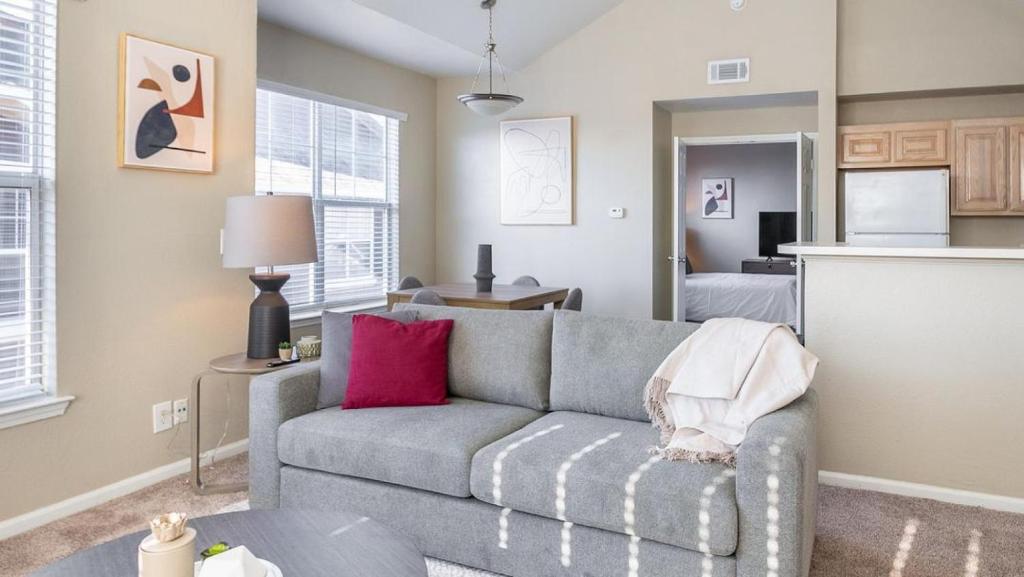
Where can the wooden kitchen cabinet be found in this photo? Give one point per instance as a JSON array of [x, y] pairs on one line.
[[921, 145], [1016, 167], [864, 149], [980, 169], [908, 144], [989, 161]]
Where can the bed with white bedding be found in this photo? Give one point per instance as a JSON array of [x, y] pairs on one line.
[[761, 297]]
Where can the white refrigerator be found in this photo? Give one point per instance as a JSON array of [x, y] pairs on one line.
[[897, 207]]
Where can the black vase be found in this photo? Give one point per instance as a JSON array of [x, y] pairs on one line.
[[484, 273]]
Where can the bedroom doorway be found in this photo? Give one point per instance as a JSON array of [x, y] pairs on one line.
[[741, 196]]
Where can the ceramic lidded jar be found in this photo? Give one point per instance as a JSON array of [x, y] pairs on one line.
[[168, 558]]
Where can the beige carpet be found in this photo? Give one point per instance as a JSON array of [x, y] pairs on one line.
[[860, 533], [22, 554]]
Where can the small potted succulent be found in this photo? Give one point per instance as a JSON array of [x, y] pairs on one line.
[[284, 350]]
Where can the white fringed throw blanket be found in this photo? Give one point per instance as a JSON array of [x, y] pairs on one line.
[[728, 373]]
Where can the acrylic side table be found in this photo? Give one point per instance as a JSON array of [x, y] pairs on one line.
[[237, 364]]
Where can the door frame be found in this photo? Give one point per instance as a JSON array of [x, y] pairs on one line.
[[679, 191]]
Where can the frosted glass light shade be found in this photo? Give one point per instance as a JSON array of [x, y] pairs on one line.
[[489, 104], [268, 231]]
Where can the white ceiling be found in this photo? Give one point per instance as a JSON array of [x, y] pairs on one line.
[[437, 37]]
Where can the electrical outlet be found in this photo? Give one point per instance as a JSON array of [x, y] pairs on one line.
[[181, 411], [163, 417]]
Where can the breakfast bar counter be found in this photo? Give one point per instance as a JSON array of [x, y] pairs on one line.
[[960, 252]]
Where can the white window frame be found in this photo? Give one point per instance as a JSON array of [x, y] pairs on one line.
[[311, 312], [26, 404]]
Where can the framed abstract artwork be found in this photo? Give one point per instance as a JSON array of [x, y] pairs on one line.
[[537, 171], [165, 107], [716, 197]]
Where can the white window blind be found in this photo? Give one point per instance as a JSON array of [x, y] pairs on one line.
[[28, 30], [347, 160]]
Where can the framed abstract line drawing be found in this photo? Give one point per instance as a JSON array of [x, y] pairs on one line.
[[537, 171], [165, 107], [717, 197]]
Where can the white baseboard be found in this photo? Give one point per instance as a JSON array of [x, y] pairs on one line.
[[32, 519], [955, 496]]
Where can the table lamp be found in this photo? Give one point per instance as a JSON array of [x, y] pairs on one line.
[[268, 231]]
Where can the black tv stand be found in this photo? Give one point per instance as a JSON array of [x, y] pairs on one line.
[[768, 265]]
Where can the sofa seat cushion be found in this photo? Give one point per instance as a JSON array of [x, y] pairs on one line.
[[429, 448], [597, 471]]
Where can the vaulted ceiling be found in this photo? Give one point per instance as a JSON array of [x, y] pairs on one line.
[[437, 37]]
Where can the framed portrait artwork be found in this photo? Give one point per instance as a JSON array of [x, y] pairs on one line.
[[165, 107]]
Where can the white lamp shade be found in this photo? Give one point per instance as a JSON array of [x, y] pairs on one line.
[[268, 231]]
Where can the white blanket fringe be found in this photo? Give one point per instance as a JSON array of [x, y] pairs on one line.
[[655, 398]]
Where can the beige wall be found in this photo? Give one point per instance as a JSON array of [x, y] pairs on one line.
[[902, 109], [607, 76], [290, 58], [911, 45], [746, 121], [920, 375], [142, 300], [661, 212]]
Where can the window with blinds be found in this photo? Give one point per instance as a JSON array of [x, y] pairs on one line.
[[27, 94], [347, 160]]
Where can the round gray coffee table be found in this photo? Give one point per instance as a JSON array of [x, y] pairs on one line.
[[301, 543]]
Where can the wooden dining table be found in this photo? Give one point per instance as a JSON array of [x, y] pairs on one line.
[[502, 296]]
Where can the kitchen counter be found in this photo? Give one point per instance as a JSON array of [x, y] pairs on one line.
[[949, 252]]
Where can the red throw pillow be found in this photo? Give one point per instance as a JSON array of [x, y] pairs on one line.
[[397, 365]]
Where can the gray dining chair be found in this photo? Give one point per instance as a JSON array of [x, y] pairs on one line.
[[527, 280], [428, 297], [574, 300], [409, 282]]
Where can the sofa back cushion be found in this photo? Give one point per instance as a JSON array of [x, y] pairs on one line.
[[600, 365], [496, 356], [336, 354]]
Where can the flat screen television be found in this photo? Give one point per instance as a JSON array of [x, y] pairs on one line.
[[775, 228]]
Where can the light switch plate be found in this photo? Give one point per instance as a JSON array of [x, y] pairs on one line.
[[617, 212]]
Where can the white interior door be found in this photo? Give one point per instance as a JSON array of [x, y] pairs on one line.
[[678, 257], [805, 187]]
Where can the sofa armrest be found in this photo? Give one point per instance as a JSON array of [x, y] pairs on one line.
[[777, 492], [273, 399]]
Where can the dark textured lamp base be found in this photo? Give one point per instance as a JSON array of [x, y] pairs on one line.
[[269, 322]]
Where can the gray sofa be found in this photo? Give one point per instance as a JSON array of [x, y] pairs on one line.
[[539, 465]]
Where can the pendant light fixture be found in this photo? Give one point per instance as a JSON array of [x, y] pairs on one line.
[[489, 103]]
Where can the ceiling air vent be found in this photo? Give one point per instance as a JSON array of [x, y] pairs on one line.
[[729, 71]]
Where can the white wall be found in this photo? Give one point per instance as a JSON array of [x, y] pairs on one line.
[[607, 76], [764, 180]]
